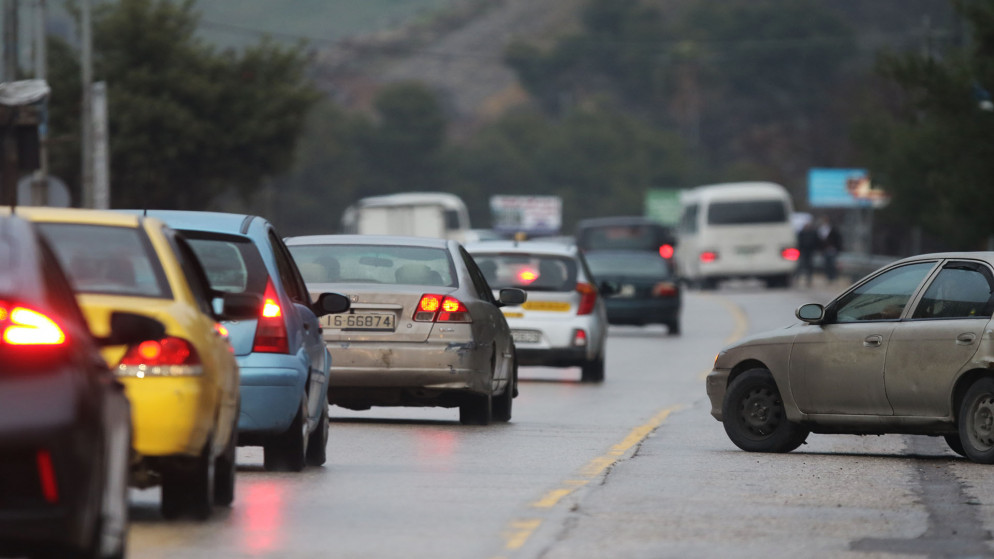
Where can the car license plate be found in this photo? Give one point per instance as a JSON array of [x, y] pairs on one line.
[[748, 249], [553, 306], [361, 321], [627, 290], [526, 336]]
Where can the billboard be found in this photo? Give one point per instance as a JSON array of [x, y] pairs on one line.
[[663, 205], [534, 215], [844, 188]]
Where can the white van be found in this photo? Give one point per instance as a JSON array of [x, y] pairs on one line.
[[737, 230], [422, 214]]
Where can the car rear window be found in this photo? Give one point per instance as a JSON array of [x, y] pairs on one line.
[[747, 212], [629, 265], [534, 272], [232, 262], [624, 237], [107, 260], [387, 264]]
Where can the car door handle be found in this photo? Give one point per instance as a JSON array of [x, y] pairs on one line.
[[873, 341], [966, 338]]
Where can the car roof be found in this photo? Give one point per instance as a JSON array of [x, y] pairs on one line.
[[523, 247], [618, 220], [372, 240], [76, 215], [220, 222], [987, 256]]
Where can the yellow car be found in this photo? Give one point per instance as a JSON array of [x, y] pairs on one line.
[[183, 388]]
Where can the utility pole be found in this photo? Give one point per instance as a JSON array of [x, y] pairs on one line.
[[8, 137], [39, 186], [86, 115], [10, 38]]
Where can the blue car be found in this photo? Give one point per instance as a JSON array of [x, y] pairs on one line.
[[283, 359]]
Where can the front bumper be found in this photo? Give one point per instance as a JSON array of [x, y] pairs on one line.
[[716, 384]]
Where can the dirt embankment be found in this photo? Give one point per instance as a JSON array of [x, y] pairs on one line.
[[459, 54]]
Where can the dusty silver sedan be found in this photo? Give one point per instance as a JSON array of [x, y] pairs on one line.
[[424, 328], [908, 349]]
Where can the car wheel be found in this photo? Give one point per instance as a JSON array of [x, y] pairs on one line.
[[673, 327], [502, 404], [754, 415], [955, 444], [189, 488], [224, 472], [285, 452], [976, 421], [593, 370], [317, 445], [476, 409]]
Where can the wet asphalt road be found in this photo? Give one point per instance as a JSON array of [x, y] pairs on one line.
[[635, 467]]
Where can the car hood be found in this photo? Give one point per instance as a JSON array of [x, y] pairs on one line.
[[770, 337]]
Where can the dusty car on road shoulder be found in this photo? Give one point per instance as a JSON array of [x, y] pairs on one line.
[[908, 349]]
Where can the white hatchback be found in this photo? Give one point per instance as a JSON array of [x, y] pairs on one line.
[[564, 321]]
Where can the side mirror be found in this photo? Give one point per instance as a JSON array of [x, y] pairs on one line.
[[129, 328], [240, 306], [511, 297], [331, 303], [608, 288], [812, 313]]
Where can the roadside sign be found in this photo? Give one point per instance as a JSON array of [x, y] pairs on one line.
[[844, 188], [534, 215], [663, 205]]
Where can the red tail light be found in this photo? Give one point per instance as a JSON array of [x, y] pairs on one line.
[[588, 298], [46, 476], [666, 251], [439, 308], [791, 254], [22, 326], [270, 332], [664, 289], [170, 356], [709, 256]]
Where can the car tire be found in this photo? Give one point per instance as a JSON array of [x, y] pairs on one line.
[[673, 327], [955, 444], [593, 370], [224, 472], [476, 409], [285, 452], [502, 404], [317, 445], [754, 417], [976, 421], [188, 489]]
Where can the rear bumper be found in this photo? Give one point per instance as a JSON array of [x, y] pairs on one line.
[[364, 374], [643, 311], [552, 357], [171, 415], [272, 387]]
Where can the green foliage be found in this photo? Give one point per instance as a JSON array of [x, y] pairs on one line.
[[930, 146], [187, 122]]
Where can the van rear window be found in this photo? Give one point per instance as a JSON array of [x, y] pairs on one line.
[[747, 212]]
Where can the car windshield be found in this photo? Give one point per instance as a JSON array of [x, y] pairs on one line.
[[232, 263], [107, 259], [533, 272], [747, 212], [608, 264], [388, 264]]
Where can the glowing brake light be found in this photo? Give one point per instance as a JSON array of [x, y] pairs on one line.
[[169, 356], [791, 254], [270, 331], [439, 308], [527, 276], [666, 251], [26, 327], [709, 256]]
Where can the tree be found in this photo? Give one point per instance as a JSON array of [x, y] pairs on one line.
[[188, 122], [930, 144]]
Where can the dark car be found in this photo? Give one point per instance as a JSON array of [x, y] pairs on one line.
[[626, 233], [65, 423], [642, 288]]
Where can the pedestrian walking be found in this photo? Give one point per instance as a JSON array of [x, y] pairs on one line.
[[808, 245], [831, 245]]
